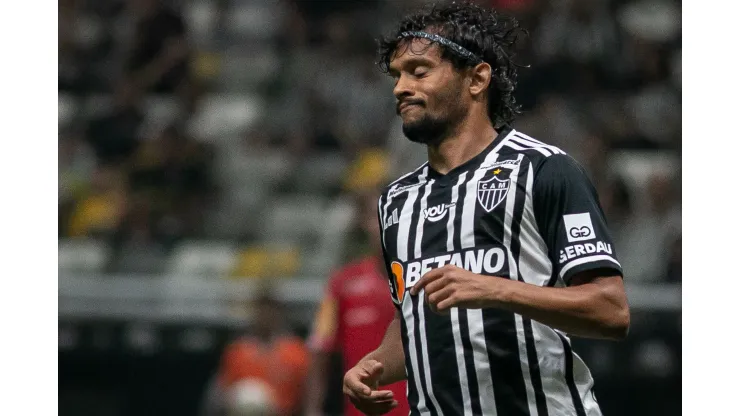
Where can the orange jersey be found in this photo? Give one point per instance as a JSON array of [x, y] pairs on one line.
[[353, 317], [282, 365]]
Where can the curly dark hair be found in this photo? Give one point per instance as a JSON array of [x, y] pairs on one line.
[[480, 30]]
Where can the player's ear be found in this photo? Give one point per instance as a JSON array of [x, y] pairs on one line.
[[480, 78]]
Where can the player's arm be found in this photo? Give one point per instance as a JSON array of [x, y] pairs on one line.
[[383, 366], [390, 353], [594, 306], [590, 300]]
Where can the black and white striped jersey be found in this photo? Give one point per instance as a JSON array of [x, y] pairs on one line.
[[520, 210]]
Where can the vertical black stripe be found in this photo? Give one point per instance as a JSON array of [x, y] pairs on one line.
[[503, 356], [419, 359], [469, 363], [516, 246], [577, 402], [443, 363], [413, 395]]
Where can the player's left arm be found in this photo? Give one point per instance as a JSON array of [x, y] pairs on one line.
[[590, 300]]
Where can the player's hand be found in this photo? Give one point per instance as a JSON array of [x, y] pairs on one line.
[[361, 386], [450, 286]]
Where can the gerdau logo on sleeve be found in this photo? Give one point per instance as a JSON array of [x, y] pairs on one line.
[[578, 250]]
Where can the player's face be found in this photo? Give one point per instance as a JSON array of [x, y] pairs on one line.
[[428, 91]]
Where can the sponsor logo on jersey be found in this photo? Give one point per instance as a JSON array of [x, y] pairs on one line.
[[492, 191], [488, 261], [578, 227], [391, 219], [578, 250], [437, 212], [397, 191]]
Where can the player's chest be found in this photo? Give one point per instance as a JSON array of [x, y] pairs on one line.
[[443, 215]]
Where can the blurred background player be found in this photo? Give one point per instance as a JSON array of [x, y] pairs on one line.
[[264, 373], [353, 315], [161, 227]]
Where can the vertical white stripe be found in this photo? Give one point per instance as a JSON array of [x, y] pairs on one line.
[[534, 263], [451, 217], [422, 220], [513, 273], [552, 370], [551, 357], [425, 354], [581, 376], [509, 214], [475, 316], [408, 316], [585, 385], [460, 356], [480, 361], [404, 220]]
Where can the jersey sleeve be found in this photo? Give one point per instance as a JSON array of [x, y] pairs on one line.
[[325, 329], [394, 283], [570, 219]]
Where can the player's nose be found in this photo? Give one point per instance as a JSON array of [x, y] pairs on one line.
[[403, 88]]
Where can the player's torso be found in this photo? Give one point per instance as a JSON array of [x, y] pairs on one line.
[[472, 219], [478, 217]]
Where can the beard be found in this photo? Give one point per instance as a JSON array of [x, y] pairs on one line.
[[427, 130], [433, 129]]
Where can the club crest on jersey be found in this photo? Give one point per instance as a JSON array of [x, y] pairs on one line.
[[492, 191]]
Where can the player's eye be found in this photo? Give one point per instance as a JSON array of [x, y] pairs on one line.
[[420, 71]]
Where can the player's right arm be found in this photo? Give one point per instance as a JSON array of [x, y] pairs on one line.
[[381, 367], [390, 353]]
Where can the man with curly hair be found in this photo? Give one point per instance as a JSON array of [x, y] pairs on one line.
[[495, 248]]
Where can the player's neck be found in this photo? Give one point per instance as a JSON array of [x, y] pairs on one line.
[[472, 136]]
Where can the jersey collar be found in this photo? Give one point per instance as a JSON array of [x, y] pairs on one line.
[[502, 131]]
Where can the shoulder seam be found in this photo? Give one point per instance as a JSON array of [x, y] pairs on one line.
[[523, 142], [407, 175]]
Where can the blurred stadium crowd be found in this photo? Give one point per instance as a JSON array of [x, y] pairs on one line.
[[224, 136], [229, 138]]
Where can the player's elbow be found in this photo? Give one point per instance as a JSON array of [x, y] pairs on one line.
[[619, 324], [615, 316]]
